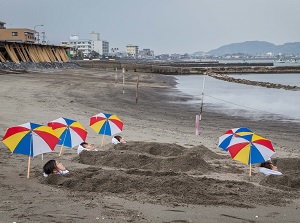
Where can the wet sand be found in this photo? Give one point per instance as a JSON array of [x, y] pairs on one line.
[[165, 173]]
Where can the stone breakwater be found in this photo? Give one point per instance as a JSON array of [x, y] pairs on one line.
[[224, 77], [172, 68], [216, 70]]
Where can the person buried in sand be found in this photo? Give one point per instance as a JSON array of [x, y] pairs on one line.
[[118, 139], [267, 168], [86, 146], [55, 167]]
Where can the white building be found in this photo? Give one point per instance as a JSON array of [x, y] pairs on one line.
[[86, 46], [132, 51], [99, 46], [146, 54]]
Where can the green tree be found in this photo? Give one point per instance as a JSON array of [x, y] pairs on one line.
[[95, 54]]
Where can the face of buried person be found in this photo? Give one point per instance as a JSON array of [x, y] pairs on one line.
[[59, 166]]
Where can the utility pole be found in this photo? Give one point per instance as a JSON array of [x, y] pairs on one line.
[[38, 34], [43, 38]]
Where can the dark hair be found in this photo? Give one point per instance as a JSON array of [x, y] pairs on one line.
[[50, 166], [268, 164], [118, 138], [83, 143]]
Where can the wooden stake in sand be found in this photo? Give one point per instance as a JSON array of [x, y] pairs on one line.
[[137, 89], [197, 123], [116, 77], [201, 108], [123, 71]]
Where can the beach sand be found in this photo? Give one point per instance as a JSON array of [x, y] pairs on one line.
[[165, 173]]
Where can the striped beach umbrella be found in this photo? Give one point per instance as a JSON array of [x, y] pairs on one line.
[[246, 146], [71, 133], [106, 124], [255, 149], [30, 139], [226, 138]]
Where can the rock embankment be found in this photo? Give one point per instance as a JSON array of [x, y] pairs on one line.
[[186, 68], [224, 77], [10, 67]]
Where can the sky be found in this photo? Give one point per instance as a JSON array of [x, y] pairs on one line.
[[165, 26]]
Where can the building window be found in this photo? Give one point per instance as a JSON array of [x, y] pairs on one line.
[[14, 33]]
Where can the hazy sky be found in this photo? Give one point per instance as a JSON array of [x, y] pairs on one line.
[[165, 26]]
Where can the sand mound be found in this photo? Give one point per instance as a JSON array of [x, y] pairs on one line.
[[153, 148], [161, 173], [287, 165], [168, 188], [153, 156], [290, 167]]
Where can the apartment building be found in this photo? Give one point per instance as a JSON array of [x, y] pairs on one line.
[[21, 35], [98, 45], [86, 46], [132, 51]]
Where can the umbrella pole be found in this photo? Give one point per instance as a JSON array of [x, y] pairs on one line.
[[28, 169], [62, 144], [250, 171], [102, 140], [61, 149]]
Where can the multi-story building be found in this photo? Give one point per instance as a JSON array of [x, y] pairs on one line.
[[21, 35], [132, 51], [99, 46], [146, 54], [2, 25], [86, 46]]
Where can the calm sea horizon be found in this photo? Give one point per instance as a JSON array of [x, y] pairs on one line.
[[245, 100]]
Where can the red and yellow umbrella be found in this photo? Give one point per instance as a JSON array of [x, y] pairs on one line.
[[106, 124], [30, 139], [246, 146], [71, 133]]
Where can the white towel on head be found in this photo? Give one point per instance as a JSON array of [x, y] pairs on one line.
[[80, 149], [115, 141], [268, 172], [62, 172]]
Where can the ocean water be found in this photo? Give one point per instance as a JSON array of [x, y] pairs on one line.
[[286, 79], [275, 62], [245, 100]]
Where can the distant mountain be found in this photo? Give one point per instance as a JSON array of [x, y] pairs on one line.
[[198, 53], [257, 47]]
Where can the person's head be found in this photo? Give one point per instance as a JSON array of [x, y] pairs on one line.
[[268, 164], [84, 144], [120, 139], [50, 167]]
